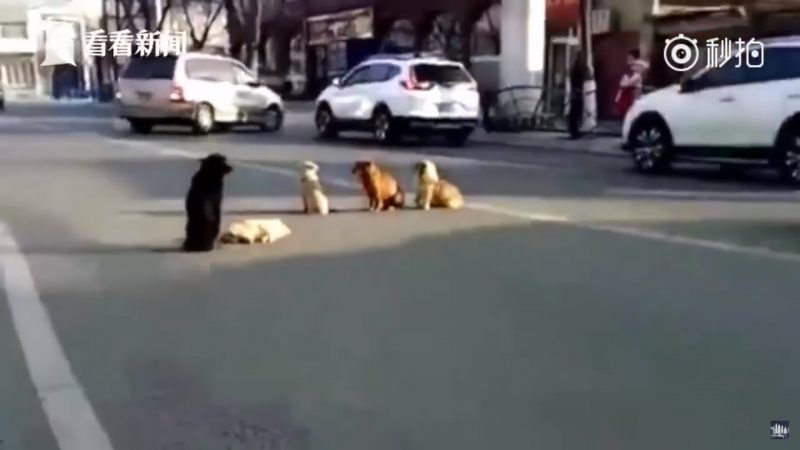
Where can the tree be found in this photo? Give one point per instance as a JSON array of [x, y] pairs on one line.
[[244, 29], [208, 11]]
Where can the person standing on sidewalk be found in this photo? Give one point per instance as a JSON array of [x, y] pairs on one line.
[[631, 84], [577, 77]]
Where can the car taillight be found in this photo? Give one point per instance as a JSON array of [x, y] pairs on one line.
[[177, 94], [413, 85]]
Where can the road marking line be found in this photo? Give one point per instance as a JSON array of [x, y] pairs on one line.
[[71, 417], [787, 195], [632, 232], [508, 212], [645, 234]]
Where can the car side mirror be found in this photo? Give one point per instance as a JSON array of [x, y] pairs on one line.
[[336, 82], [690, 85]]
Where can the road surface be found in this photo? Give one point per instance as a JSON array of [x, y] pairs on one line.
[[572, 305]]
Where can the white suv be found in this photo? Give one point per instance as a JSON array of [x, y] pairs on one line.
[[726, 115], [395, 94], [195, 89]]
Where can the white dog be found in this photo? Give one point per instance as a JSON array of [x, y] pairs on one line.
[[255, 231], [314, 198], [433, 191]]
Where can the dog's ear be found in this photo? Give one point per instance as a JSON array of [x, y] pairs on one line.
[[357, 166]]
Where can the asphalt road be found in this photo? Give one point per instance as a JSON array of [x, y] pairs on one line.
[[572, 305]]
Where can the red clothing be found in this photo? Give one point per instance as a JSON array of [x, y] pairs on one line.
[[624, 100]]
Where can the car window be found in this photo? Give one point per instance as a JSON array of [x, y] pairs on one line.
[[359, 75], [379, 73], [151, 68], [726, 75], [242, 75], [780, 63], [208, 69], [441, 73]]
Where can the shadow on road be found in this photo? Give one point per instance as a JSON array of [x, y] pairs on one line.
[[449, 341]]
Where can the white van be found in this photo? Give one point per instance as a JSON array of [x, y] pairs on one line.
[[195, 89]]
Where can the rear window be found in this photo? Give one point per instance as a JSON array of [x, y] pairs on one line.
[[441, 73], [151, 68]]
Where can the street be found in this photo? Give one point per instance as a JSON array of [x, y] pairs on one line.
[[573, 304]]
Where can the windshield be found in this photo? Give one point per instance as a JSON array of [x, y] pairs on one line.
[[151, 68], [441, 73]]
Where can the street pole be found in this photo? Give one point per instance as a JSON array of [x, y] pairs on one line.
[[590, 86], [158, 11]]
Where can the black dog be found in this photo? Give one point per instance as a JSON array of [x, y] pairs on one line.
[[204, 204]]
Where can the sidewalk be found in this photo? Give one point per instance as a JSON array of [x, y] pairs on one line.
[[551, 140]]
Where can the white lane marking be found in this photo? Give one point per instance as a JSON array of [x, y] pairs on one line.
[[441, 159], [234, 205], [732, 195], [176, 152], [509, 212], [632, 232], [645, 234], [71, 417]]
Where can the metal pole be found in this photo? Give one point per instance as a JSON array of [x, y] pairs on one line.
[[158, 11]]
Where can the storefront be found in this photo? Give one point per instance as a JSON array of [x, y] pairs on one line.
[[563, 18], [336, 42]]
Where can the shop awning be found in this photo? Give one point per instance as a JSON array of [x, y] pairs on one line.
[[342, 26]]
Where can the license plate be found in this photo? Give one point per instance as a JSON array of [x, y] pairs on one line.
[[446, 107], [144, 95]]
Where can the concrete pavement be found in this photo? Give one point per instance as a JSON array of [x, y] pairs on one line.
[[575, 305]]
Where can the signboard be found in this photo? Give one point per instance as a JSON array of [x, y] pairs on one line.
[[601, 21], [353, 24], [563, 14]]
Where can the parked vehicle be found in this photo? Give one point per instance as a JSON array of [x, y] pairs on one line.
[[726, 115], [195, 89], [393, 95]]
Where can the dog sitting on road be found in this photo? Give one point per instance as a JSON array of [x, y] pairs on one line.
[[433, 191], [204, 204], [314, 198], [381, 188]]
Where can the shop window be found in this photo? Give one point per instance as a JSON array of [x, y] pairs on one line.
[[13, 30]]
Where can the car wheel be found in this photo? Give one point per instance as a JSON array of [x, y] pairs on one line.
[[203, 119], [651, 146], [457, 138], [788, 160], [273, 119], [326, 125], [383, 129], [140, 126]]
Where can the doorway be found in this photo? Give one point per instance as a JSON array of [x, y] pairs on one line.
[[561, 50]]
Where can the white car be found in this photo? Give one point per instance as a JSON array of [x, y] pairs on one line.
[[195, 89], [392, 95], [726, 115]]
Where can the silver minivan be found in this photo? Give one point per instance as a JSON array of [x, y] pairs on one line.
[[195, 89]]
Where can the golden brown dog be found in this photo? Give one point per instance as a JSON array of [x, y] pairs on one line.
[[433, 191], [380, 186]]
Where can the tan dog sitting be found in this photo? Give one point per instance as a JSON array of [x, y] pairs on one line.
[[433, 191], [314, 199], [381, 187], [255, 231]]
